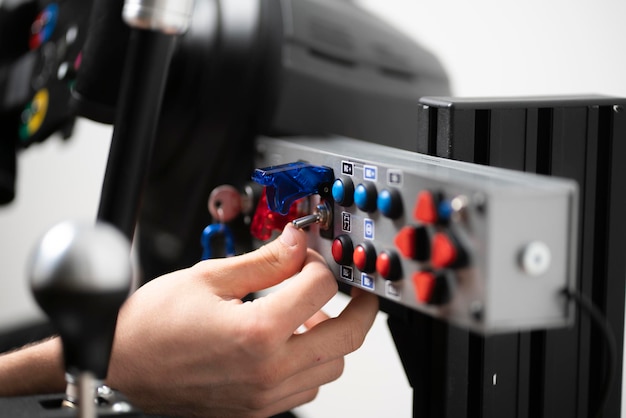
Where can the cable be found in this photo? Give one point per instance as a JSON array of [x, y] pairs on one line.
[[604, 327]]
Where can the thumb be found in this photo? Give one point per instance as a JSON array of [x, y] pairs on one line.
[[267, 266]]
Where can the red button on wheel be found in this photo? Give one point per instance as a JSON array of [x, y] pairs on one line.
[[342, 250], [364, 257]]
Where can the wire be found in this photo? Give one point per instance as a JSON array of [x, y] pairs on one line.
[[598, 318]]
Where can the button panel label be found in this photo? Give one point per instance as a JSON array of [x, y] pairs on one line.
[[367, 281], [370, 172], [368, 228], [347, 168], [346, 221], [346, 273]]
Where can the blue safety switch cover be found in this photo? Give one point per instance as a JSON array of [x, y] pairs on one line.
[[289, 182]]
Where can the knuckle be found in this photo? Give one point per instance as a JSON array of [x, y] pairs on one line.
[[257, 403], [259, 337], [338, 369], [353, 337], [311, 395]]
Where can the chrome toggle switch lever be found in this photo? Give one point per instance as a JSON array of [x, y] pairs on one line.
[[321, 215]]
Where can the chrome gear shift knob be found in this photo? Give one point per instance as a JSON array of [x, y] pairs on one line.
[[80, 275]]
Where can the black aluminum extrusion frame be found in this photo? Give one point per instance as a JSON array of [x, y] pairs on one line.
[[538, 374]]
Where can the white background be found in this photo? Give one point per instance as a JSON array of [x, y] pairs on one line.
[[490, 48]]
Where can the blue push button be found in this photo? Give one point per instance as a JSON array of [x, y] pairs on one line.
[[343, 191], [365, 195], [390, 203]]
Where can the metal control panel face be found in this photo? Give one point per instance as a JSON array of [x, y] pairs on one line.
[[485, 248]]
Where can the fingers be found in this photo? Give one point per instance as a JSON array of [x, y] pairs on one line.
[[335, 337], [299, 389], [315, 358], [317, 318], [292, 305], [265, 267]]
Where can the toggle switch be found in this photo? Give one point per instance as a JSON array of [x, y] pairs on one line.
[[321, 215]]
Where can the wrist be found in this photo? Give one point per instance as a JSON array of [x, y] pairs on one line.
[[36, 368]]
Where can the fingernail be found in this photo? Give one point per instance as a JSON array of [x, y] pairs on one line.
[[288, 237]]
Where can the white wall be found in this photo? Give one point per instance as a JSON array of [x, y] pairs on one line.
[[490, 48]]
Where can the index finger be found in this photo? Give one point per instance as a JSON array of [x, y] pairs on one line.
[[299, 298]]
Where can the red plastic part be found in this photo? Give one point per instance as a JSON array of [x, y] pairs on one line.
[[337, 251], [265, 222], [424, 285], [405, 241], [425, 208], [360, 257], [383, 264], [444, 252]]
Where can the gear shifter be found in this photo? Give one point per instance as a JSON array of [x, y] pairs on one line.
[[80, 275]]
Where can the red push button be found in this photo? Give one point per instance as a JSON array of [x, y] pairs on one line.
[[424, 285], [342, 250], [425, 208], [413, 242], [364, 257], [444, 251], [388, 265]]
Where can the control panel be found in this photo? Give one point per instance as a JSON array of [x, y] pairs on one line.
[[485, 248]]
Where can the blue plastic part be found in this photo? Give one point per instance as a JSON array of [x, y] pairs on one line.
[[390, 203], [212, 231], [360, 196], [289, 182], [444, 211], [385, 202], [338, 191], [343, 191], [366, 196]]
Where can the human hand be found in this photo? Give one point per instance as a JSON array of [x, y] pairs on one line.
[[186, 345]]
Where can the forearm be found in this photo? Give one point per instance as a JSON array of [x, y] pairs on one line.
[[35, 369]]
